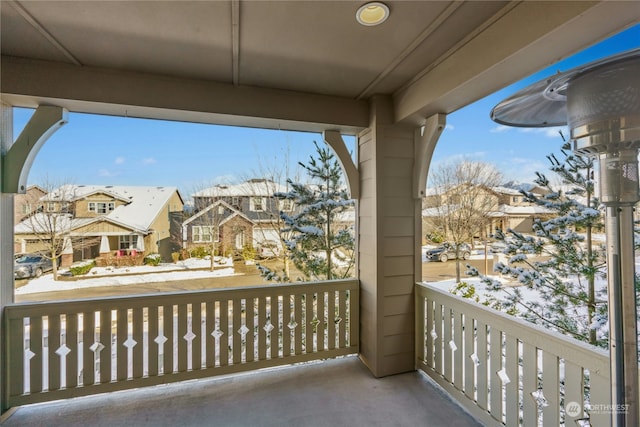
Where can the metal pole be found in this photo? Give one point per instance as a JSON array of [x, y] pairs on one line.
[[618, 184]]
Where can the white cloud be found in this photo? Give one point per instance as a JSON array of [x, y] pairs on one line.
[[148, 161], [107, 173], [449, 127], [119, 160], [549, 132], [500, 129]]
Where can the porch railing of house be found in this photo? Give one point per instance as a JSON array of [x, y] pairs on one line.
[[506, 371], [66, 349]]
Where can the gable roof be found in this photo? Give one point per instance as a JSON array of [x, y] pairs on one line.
[[256, 187], [143, 204], [230, 212]]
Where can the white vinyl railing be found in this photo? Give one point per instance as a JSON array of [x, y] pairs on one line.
[[506, 371], [72, 348]]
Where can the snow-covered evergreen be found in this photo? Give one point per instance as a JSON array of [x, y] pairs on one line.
[[321, 246], [561, 262]]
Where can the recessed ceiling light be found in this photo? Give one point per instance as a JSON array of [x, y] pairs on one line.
[[373, 13]]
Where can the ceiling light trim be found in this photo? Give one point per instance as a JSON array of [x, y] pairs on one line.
[[372, 14]]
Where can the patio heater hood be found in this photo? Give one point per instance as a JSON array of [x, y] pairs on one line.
[[600, 102]]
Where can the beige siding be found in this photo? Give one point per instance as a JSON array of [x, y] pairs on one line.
[[387, 243], [82, 206]]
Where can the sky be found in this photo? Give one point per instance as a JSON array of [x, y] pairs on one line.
[[105, 150]]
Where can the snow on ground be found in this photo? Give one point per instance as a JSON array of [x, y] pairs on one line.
[[192, 268]]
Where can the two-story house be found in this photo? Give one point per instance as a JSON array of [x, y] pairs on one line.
[[28, 203], [236, 215], [99, 220]]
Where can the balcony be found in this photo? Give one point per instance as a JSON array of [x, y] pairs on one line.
[[502, 370]]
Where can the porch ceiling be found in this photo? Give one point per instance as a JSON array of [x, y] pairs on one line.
[[301, 65]]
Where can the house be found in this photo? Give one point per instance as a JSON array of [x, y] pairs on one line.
[[253, 199], [27, 203], [102, 220], [219, 226]]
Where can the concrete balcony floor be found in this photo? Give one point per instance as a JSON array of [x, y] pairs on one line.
[[340, 392]]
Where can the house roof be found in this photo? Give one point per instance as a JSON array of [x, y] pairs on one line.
[[252, 187], [143, 204], [229, 212]]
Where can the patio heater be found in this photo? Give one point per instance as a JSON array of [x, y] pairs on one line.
[[600, 102]]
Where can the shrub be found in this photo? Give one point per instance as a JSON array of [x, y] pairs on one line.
[[248, 252], [82, 268], [200, 252], [152, 259], [175, 256]]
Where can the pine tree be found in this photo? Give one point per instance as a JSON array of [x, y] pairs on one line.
[[561, 262], [320, 245]]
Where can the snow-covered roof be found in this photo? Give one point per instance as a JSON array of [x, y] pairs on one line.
[[143, 204], [524, 210], [252, 187], [506, 190], [230, 212]]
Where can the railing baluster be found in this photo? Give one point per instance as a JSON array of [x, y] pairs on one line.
[[309, 315], [286, 319], [15, 355], [469, 364], [224, 327], [182, 341], [237, 336], [446, 342], [342, 308], [196, 328], [573, 391], [250, 323], [551, 389], [459, 351], [600, 391], [71, 342], [105, 341], [331, 317], [483, 357], [88, 338], [54, 343], [512, 403], [36, 345], [438, 361], [262, 333], [138, 336], [298, 330], [153, 346], [275, 321], [320, 317], [429, 312], [167, 331], [122, 334], [529, 384], [495, 385]]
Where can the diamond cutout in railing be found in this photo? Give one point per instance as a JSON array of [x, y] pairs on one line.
[[292, 325], [217, 333], [63, 350], [243, 331], [337, 320], [502, 374], [160, 339], [130, 343], [268, 327], [475, 359], [189, 336], [29, 354], [584, 422], [452, 345], [538, 396], [96, 347], [433, 334]]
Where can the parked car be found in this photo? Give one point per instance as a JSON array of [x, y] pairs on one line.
[[269, 249], [31, 265], [447, 251]]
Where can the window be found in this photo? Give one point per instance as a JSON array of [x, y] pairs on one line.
[[203, 234], [235, 201], [101, 207], [220, 210], [286, 205], [26, 208], [51, 207], [515, 199], [257, 204], [128, 242]]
